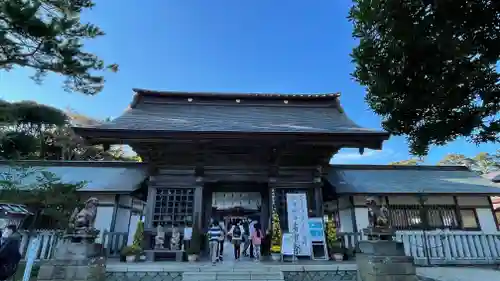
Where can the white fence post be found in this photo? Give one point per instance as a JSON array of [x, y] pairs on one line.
[[444, 247]]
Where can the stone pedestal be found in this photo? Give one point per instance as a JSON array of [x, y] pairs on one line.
[[75, 262], [381, 260]]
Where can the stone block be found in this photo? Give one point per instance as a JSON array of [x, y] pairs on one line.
[[382, 248], [199, 276], [92, 270], [233, 276], [384, 261], [267, 276]]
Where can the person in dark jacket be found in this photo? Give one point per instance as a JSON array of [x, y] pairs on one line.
[[9, 252]]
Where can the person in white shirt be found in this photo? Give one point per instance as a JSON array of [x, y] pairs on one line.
[[248, 242], [236, 234]]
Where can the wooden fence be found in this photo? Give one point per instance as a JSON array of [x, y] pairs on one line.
[[112, 242], [428, 248], [442, 247]]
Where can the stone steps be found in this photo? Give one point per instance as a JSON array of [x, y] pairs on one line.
[[233, 276]]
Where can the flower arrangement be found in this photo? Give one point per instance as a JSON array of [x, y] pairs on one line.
[[276, 234], [331, 233]]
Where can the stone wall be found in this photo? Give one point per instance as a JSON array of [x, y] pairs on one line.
[[347, 275], [144, 276]]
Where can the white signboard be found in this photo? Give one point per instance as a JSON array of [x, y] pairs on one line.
[[287, 244], [298, 222], [30, 258], [318, 240], [188, 233], [316, 230]]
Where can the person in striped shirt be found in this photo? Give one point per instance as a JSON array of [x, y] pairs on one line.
[[214, 233]]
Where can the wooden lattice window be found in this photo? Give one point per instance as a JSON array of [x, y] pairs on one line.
[[443, 216], [174, 207], [413, 217]]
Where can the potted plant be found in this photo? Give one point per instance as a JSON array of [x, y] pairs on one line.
[[194, 249], [131, 252], [332, 242], [139, 239], [275, 237]]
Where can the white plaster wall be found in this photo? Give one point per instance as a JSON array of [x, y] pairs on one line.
[[133, 227], [361, 218], [122, 220], [103, 219], [346, 219], [486, 220]]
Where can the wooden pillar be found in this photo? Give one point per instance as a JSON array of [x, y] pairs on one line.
[[198, 202], [148, 218], [318, 197], [265, 209]]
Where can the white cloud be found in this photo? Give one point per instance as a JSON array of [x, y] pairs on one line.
[[355, 156]]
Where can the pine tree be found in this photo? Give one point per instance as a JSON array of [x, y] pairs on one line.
[[139, 235], [48, 36]]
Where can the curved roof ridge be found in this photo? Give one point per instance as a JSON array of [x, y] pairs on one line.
[[233, 95]]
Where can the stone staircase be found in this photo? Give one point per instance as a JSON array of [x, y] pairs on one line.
[[226, 275]]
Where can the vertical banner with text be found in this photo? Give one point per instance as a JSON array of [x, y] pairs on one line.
[[298, 222]]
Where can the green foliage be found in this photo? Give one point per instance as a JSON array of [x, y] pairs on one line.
[[139, 235], [430, 71], [195, 243], [29, 130], [48, 36], [132, 250], [276, 233], [482, 163], [42, 192], [412, 162]]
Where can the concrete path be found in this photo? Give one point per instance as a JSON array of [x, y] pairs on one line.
[[459, 273]]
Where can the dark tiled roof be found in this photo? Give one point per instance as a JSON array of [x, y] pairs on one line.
[[220, 118], [257, 113], [377, 179]]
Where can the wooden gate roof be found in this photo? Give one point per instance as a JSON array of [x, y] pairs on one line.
[[174, 112]]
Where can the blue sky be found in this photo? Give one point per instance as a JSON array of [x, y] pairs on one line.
[[224, 45]]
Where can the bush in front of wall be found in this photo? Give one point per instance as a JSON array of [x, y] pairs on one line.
[[132, 250]]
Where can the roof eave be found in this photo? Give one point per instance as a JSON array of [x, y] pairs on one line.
[[59, 163], [374, 138], [425, 193]]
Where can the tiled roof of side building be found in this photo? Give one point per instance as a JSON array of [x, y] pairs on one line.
[[115, 177], [393, 179]]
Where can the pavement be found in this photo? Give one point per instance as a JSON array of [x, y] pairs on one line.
[[459, 273]]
